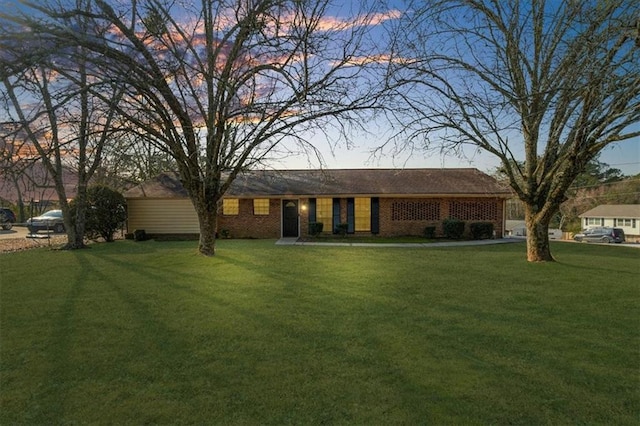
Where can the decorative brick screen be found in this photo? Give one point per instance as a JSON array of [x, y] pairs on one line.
[[415, 210], [474, 210]]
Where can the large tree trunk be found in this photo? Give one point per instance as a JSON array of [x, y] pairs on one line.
[[76, 225], [207, 242], [538, 249], [208, 218], [75, 230]]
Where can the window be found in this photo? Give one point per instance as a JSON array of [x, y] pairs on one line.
[[324, 213], [261, 206], [623, 222], [363, 214], [230, 206], [594, 221]]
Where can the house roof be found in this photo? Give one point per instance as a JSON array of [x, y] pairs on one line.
[[35, 183], [626, 211], [343, 182]]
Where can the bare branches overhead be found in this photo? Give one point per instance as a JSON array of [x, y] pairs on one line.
[[543, 86], [218, 84]]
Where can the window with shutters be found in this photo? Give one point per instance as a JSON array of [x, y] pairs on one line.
[[593, 221], [324, 213], [623, 222]]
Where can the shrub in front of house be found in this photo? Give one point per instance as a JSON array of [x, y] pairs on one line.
[[341, 229], [429, 232], [481, 230], [315, 228], [106, 212], [453, 228]]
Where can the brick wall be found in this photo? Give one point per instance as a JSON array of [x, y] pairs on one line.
[[304, 216], [409, 216], [248, 225], [398, 216]]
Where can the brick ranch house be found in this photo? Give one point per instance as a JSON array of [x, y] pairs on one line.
[[282, 203]]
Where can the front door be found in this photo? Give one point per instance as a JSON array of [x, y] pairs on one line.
[[290, 218]]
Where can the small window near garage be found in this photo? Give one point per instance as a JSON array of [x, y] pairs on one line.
[[261, 206], [230, 206]]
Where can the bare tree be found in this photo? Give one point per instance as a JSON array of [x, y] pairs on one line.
[[21, 171], [221, 84], [49, 96], [129, 159], [543, 86], [12, 161]]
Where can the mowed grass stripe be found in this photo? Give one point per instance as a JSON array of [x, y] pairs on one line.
[[154, 333]]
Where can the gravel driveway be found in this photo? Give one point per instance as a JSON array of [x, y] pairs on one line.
[[10, 242], [16, 239]]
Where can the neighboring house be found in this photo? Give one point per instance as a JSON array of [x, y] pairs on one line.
[[518, 228], [282, 203], [34, 183], [625, 216]]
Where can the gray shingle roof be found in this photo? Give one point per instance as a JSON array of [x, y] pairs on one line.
[[624, 211], [340, 182]]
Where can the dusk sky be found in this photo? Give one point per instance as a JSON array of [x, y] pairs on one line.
[[624, 155]]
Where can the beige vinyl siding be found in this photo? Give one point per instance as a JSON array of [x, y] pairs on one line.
[[162, 216]]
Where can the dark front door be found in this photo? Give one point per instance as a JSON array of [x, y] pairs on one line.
[[289, 218]]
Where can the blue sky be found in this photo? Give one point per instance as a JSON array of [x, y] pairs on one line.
[[623, 155]]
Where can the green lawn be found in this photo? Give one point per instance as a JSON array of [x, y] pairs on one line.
[[139, 333]]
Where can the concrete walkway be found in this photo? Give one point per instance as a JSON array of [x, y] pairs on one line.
[[296, 242]]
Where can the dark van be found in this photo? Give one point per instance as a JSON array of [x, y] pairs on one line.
[[601, 235]]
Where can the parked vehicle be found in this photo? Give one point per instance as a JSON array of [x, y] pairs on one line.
[[7, 218], [51, 220], [601, 235]]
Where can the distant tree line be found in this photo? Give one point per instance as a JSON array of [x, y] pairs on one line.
[[598, 184]]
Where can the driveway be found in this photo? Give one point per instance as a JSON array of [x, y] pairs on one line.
[[22, 232], [16, 239], [14, 232]]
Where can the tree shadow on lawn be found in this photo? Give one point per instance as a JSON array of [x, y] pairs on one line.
[[299, 339], [149, 347], [90, 345], [106, 343], [596, 258], [162, 337]]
